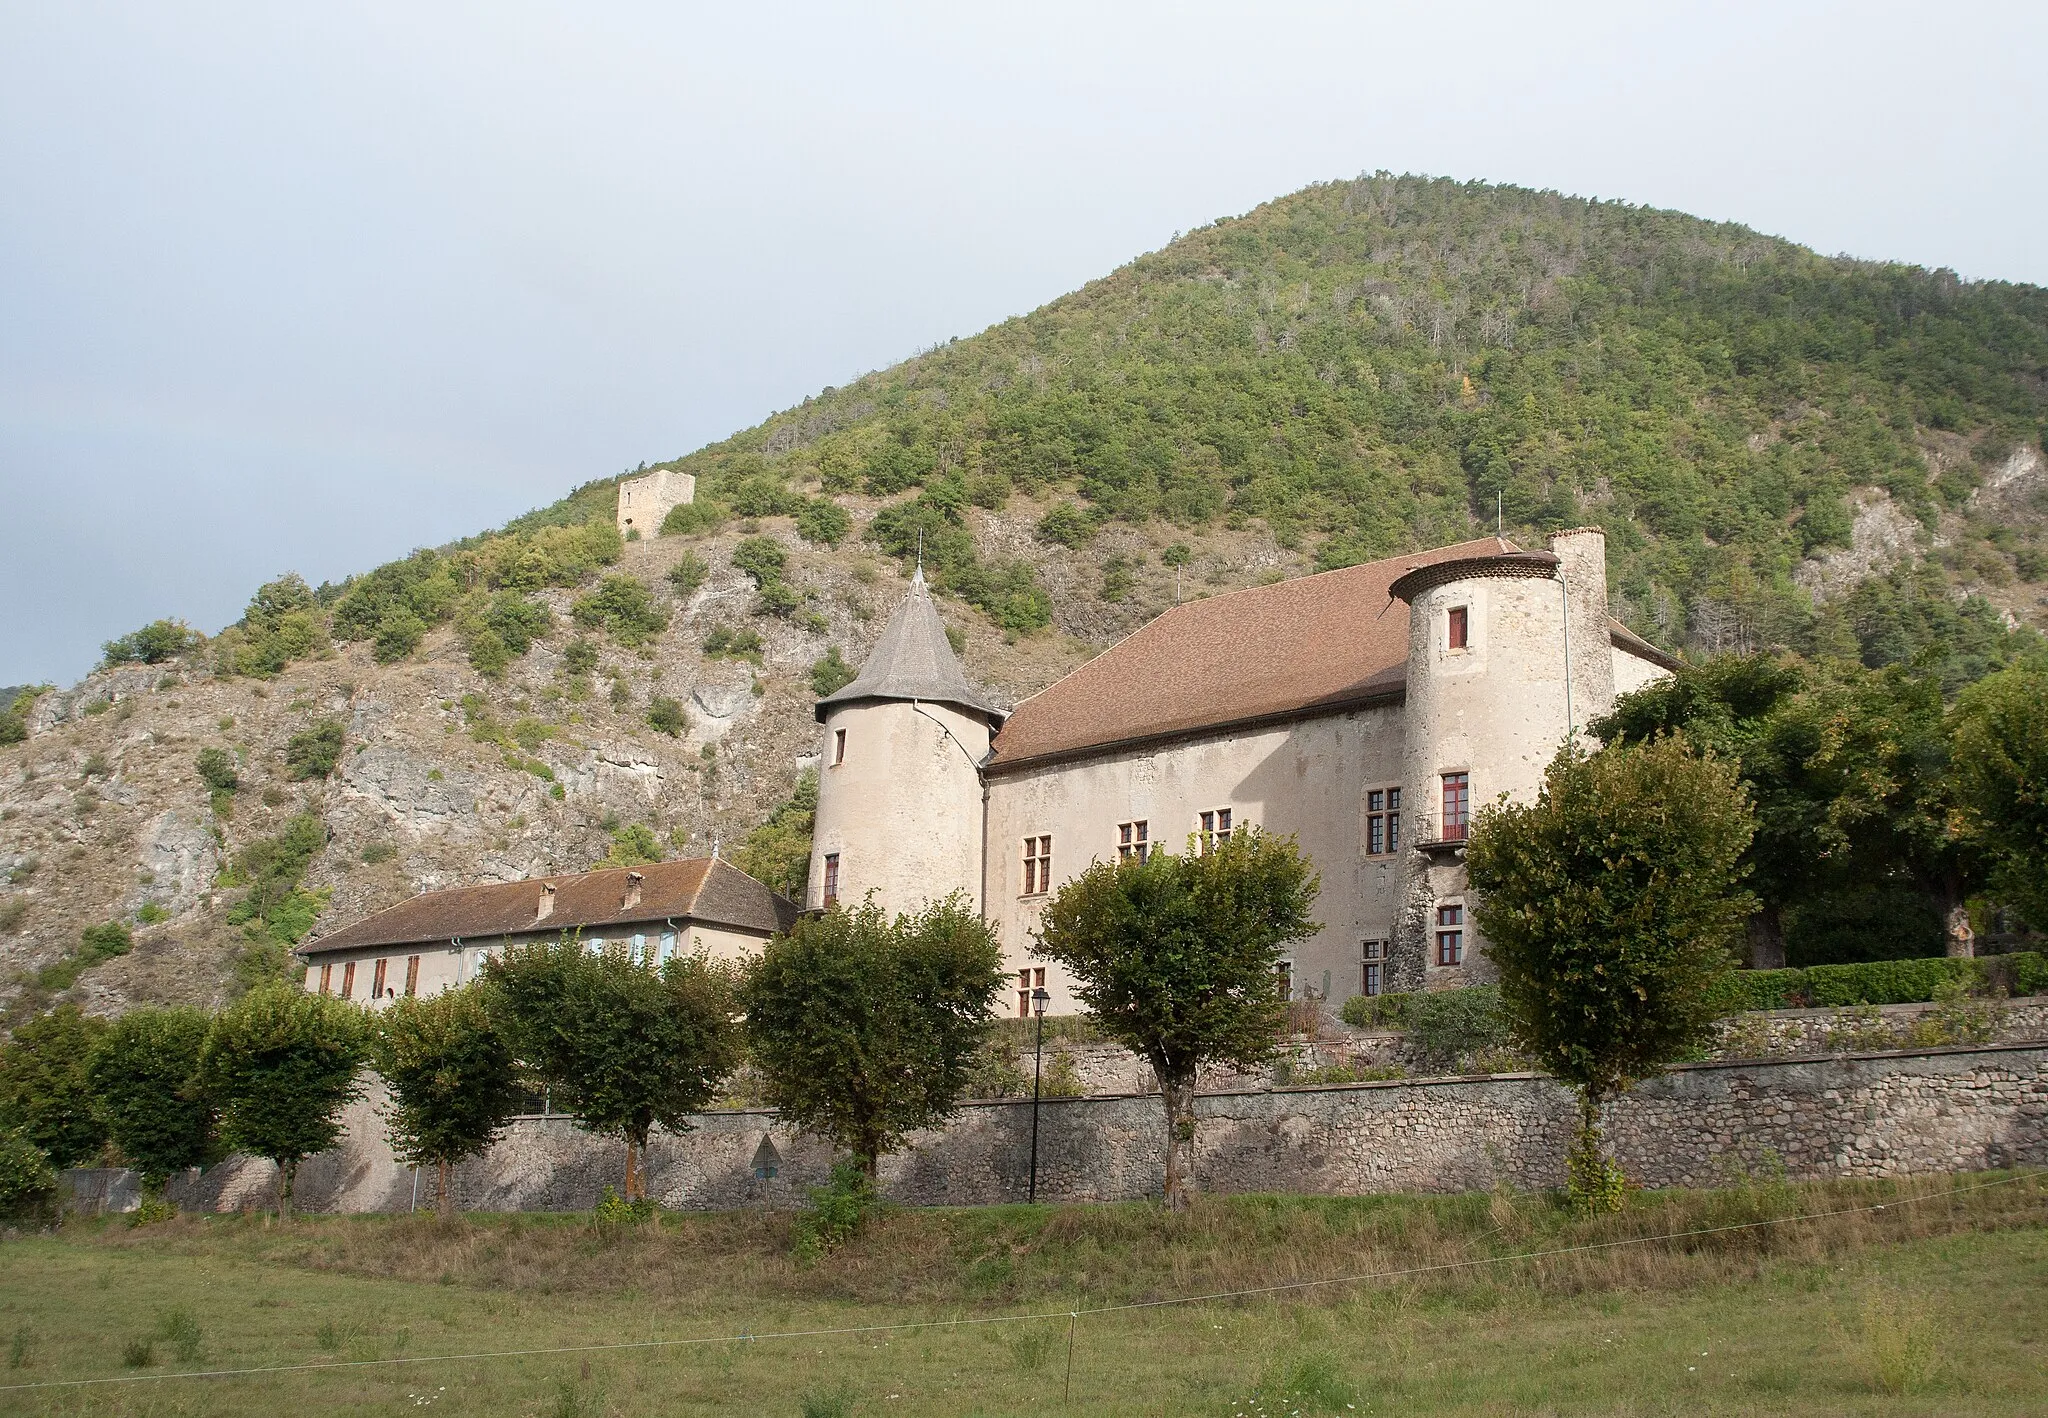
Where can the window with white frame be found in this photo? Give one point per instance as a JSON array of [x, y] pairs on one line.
[[1038, 864], [1134, 839], [1028, 979], [1450, 934]]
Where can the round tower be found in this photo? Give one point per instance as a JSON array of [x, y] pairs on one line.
[[1508, 658], [899, 775]]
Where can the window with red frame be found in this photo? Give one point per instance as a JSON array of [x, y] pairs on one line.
[[1133, 839], [1037, 865], [412, 975], [1457, 806], [1450, 935], [1027, 981], [831, 878], [1458, 622]]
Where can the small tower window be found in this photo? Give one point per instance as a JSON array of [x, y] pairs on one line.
[[1457, 806], [831, 878], [1450, 935], [838, 747], [1037, 865], [1133, 839], [1457, 627]]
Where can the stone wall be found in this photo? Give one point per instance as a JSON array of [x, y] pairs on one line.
[[1944, 1110]]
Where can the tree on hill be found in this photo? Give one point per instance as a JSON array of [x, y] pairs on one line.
[[623, 1044], [145, 1082], [1176, 958], [155, 643], [778, 852], [1611, 905], [1999, 737], [454, 1082], [865, 1029], [45, 1090], [282, 1065]]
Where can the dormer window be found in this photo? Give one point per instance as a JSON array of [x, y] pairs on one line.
[[1458, 623]]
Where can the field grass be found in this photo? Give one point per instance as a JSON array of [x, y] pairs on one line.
[[1936, 1303]]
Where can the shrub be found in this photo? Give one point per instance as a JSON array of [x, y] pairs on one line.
[[2029, 972], [778, 852], [28, 1183], [45, 1093], [666, 715], [283, 623], [1447, 1025], [216, 768], [762, 558], [1888, 981], [691, 518], [155, 643], [779, 598], [151, 913], [1388, 1011], [313, 752], [488, 655], [823, 521], [1066, 525], [831, 673], [688, 573], [624, 607], [633, 844], [836, 1212], [397, 635], [725, 643], [579, 657]]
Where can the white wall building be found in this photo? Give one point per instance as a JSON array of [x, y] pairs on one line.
[[1367, 711]]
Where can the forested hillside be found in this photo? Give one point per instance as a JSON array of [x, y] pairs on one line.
[[1836, 457]]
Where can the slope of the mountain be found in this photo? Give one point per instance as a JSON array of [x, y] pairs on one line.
[[1838, 456]]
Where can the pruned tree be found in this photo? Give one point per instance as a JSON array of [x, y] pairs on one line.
[[1611, 905], [866, 1029], [45, 1094], [146, 1085], [282, 1064], [1999, 747], [624, 1045], [453, 1081], [1176, 958]]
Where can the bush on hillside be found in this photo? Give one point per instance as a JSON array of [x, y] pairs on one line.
[[823, 521], [315, 751], [693, 518], [624, 607], [831, 673], [688, 574], [216, 768], [666, 715], [155, 643]]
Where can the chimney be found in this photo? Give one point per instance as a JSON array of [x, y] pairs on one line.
[[547, 902], [633, 880]]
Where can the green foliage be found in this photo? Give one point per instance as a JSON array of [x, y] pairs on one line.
[[762, 558], [613, 1211], [2000, 735], [151, 913], [633, 844], [622, 1044], [500, 629], [145, 1083], [216, 768], [155, 643], [14, 707], [1611, 906], [281, 1064], [1066, 525], [692, 518], [778, 852], [96, 945], [277, 911], [45, 1091], [866, 1029], [1865, 983], [28, 1183], [666, 715], [688, 573], [934, 525], [725, 643], [1446, 1026], [836, 1212], [579, 657], [624, 607], [283, 622], [314, 751], [1388, 1011], [823, 521], [831, 673], [453, 1079]]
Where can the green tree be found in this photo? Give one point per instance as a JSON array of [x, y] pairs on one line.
[[1175, 957], [624, 607], [824, 521], [1999, 733], [778, 852], [28, 1184], [831, 673], [145, 1082], [666, 715], [688, 574], [866, 1029], [1611, 906], [155, 643], [216, 768], [761, 558], [453, 1081], [633, 844], [623, 1044], [282, 1064], [314, 751], [45, 1093]]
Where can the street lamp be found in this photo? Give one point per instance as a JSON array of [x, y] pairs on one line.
[[1039, 1000]]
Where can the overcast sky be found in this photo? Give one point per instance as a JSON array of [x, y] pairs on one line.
[[303, 287]]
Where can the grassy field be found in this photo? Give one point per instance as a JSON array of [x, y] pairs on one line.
[[1936, 1303]]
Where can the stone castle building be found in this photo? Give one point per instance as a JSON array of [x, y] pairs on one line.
[[1367, 711], [645, 500]]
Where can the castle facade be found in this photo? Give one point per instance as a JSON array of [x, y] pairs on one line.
[[1367, 711]]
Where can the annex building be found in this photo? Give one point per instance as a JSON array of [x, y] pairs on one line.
[[1367, 711]]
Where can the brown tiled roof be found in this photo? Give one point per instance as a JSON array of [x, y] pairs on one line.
[[702, 889], [1315, 643]]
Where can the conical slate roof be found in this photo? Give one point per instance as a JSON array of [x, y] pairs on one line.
[[913, 660]]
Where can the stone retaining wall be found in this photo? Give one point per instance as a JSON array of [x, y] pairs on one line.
[[1945, 1110]]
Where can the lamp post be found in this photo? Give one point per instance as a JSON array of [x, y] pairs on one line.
[[1039, 1000]]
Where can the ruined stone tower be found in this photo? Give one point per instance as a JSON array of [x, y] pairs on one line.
[[645, 500]]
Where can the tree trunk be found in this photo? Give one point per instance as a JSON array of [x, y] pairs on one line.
[[1960, 940], [1179, 1097], [1593, 1182], [287, 1168], [632, 1172], [447, 1198], [1766, 939]]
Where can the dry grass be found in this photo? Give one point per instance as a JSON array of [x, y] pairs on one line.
[[1114, 1254]]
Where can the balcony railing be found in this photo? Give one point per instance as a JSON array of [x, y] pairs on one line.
[[1426, 834]]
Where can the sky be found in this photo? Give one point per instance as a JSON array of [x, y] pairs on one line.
[[304, 287]]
